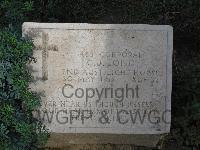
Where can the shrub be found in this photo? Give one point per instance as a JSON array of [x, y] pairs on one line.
[[14, 13], [18, 128]]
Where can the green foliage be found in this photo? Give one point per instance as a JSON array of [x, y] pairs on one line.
[[186, 104], [18, 128], [14, 13]]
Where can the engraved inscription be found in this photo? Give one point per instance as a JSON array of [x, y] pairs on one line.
[[45, 48]]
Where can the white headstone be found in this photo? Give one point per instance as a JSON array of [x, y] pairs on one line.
[[103, 78]]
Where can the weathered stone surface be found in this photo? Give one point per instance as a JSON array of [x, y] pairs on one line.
[[67, 139], [103, 78]]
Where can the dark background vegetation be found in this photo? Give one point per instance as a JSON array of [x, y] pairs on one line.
[[183, 15]]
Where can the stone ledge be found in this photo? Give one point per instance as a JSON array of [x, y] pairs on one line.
[[63, 140]]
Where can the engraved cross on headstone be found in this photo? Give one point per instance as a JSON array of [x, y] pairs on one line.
[[45, 48]]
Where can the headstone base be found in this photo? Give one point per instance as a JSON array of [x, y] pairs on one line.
[[58, 140]]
